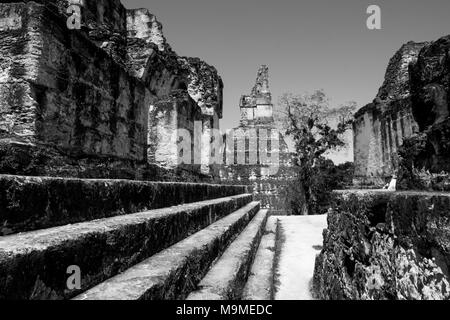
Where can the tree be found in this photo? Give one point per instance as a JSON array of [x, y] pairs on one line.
[[315, 128]]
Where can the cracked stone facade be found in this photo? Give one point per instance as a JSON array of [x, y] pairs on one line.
[[92, 93], [385, 246], [381, 127], [425, 157]]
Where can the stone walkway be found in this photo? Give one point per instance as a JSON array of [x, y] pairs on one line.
[[301, 242]]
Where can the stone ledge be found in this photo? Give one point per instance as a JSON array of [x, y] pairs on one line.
[[227, 277], [33, 264], [260, 284], [30, 203], [174, 272], [383, 245]]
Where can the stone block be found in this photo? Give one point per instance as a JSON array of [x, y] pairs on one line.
[[384, 245]]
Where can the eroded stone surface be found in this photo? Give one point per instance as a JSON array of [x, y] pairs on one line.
[[260, 283], [30, 203], [430, 83], [425, 157], [227, 276], [101, 248], [381, 127], [86, 94], [205, 86], [173, 273], [383, 245]]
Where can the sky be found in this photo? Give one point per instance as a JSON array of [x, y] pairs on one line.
[[307, 44]]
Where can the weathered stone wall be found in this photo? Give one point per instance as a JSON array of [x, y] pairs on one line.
[[206, 89], [377, 138], [430, 83], [150, 57], [269, 190], [381, 127], [152, 60], [30, 203], [204, 86], [383, 245], [103, 21], [425, 157], [425, 160], [86, 94], [76, 97], [170, 120], [18, 68], [257, 108]]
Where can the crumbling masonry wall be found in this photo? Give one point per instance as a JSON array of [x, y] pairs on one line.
[[377, 138], [65, 91], [425, 157], [170, 120], [86, 94], [385, 246], [381, 127]]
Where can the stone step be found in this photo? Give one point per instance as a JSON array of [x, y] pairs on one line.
[[227, 277], [33, 265], [32, 203], [260, 281], [300, 240], [174, 272]]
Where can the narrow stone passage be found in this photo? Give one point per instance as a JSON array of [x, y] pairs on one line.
[[301, 240]]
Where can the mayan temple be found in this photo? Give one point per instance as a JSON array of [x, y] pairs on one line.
[[256, 152], [381, 126], [257, 108]]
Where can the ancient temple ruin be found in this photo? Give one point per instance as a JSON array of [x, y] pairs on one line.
[[395, 245], [105, 100], [108, 101], [256, 151], [90, 171], [257, 108], [381, 127]]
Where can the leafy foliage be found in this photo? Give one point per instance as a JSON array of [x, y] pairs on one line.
[[316, 129]]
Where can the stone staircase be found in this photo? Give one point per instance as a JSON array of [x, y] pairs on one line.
[[133, 240]]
